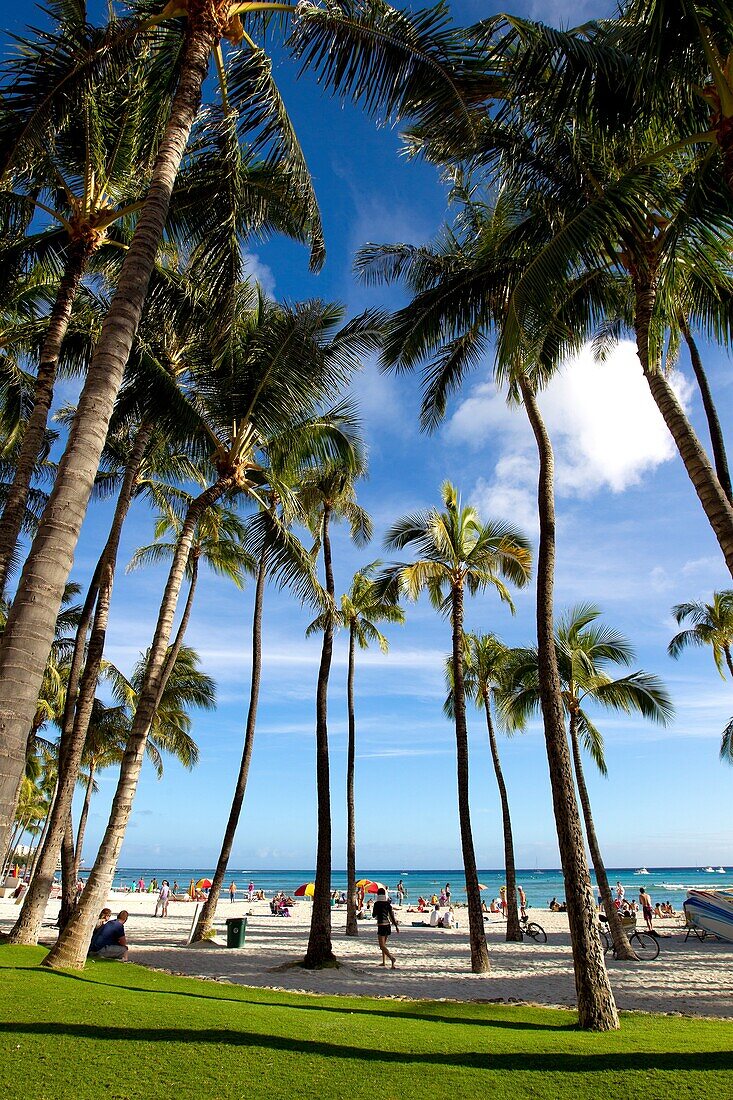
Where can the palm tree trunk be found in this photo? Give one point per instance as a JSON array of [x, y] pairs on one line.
[[175, 648], [621, 943], [716, 432], [728, 659], [352, 925], [70, 950], [596, 1006], [513, 931], [319, 952], [206, 920], [83, 821], [44, 833], [77, 257], [477, 935], [68, 879], [715, 503], [29, 632], [79, 701]]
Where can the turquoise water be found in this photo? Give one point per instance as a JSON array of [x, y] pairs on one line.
[[540, 885]]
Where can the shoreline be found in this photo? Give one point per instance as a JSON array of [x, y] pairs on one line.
[[688, 978]]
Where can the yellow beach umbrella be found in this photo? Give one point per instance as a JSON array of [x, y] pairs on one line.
[[307, 890]]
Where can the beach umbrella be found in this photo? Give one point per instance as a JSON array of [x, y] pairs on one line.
[[363, 882], [482, 887], [203, 884], [307, 890], [191, 888], [374, 887]]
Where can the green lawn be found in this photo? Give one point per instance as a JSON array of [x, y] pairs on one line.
[[118, 1031]]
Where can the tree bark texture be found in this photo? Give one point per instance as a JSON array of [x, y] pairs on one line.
[[596, 1006], [513, 931], [621, 943], [352, 925], [79, 701], [77, 258], [717, 439], [206, 919], [68, 882], [319, 951], [70, 950], [476, 932], [29, 633], [715, 503]]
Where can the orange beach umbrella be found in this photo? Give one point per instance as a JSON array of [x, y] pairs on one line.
[[203, 884]]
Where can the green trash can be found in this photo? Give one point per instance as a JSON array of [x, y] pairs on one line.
[[236, 931]]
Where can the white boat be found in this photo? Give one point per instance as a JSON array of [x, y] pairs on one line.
[[711, 910], [710, 870], [721, 871], [641, 871]]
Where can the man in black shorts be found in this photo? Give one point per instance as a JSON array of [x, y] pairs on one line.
[[384, 916]]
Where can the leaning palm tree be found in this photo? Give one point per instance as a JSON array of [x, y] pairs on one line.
[[103, 748], [457, 553], [485, 665], [713, 626], [258, 371], [327, 494], [378, 56], [584, 651], [361, 609]]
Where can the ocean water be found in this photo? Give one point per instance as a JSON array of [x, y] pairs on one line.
[[540, 885]]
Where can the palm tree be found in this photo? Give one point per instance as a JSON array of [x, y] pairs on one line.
[[103, 748], [264, 368], [389, 63], [361, 609], [485, 665], [327, 494], [461, 289], [458, 554], [713, 626], [584, 651]]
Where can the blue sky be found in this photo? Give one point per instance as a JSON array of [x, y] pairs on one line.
[[632, 539]]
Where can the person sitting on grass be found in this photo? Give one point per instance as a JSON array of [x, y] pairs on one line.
[[111, 940], [102, 919]]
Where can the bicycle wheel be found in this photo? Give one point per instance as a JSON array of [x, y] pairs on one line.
[[645, 945], [536, 932], [605, 941]]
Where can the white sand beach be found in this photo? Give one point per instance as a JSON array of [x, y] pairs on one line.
[[691, 977]]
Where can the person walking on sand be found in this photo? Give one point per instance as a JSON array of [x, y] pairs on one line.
[[647, 908], [232, 891], [385, 918], [163, 897], [502, 902]]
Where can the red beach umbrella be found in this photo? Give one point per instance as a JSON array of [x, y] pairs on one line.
[[203, 884], [374, 887], [307, 890]]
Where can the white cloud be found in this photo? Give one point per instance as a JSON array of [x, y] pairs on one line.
[[606, 431], [260, 271]]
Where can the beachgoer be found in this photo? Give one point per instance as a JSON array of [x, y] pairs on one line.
[[384, 916], [620, 892], [250, 890], [494, 908], [435, 916], [522, 903], [141, 885], [400, 892], [163, 896], [175, 886], [447, 893], [101, 921], [645, 902], [232, 891], [502, 899], [111, 940]]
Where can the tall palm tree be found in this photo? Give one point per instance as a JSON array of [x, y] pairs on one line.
[[457, 553], [252, 385], [713, 626], [103, 748], [361, 609], [485, 665], [584, 651], [388, 62], [460, 290], [327, 494]]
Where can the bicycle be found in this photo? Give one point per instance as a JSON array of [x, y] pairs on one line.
[[531, 930], [644, 944]]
